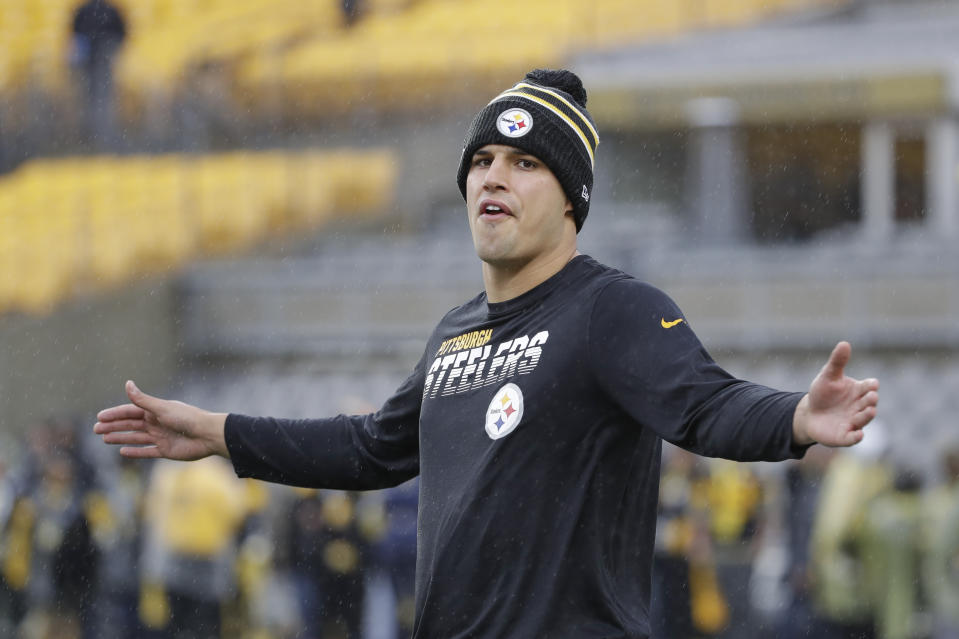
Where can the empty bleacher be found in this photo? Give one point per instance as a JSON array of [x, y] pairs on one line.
[[399, 51], [440, 51], [77, 224], [165, 35], [80, 223]]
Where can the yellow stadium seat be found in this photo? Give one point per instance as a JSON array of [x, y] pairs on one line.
[[11, 238], [113, 252], [132, 195], [311, 193], [78, 224], [167, 229], [271, 183], [221, 199], [400, 49], [361, 181], [387, 48], [45, 256], [42, 259]]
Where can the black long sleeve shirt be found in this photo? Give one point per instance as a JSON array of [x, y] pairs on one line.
[[535, 425]]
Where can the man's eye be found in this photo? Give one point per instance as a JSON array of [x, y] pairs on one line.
[[527, 164], [481, 162]]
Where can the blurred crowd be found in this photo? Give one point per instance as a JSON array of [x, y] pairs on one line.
[[849, 544], [852, 543], [93, 545]]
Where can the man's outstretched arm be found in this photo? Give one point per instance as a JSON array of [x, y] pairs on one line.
[[349, 452], [151, 427], [837, 407]]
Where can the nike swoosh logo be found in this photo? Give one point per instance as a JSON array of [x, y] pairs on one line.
[[670, 324]]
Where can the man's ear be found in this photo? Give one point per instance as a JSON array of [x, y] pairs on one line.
[[568, 213]]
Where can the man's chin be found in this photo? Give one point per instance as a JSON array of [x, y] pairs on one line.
[[490, 251], [500, 260]]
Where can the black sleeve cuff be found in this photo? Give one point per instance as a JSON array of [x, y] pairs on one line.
[[236, 432]]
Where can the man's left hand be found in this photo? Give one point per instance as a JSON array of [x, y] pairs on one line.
[[837, 407]]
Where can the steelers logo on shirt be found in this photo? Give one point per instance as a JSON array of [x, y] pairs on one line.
[[504, 412]]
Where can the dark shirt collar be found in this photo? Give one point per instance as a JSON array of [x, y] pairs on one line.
[[537, 293]]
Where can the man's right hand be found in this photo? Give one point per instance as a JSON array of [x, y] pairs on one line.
[[151, 427]]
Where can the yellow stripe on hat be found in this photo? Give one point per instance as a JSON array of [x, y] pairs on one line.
[[574, 108], [576, 129]]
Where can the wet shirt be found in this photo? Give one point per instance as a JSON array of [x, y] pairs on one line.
[[535, 426]]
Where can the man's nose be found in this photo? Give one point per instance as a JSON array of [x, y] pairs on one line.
[[496, 177]]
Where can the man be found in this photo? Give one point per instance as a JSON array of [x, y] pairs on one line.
[[535, 417], [98, 33]]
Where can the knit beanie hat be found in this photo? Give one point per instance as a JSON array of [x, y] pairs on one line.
[[544, 115]]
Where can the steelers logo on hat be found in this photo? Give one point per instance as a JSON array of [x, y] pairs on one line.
[[504, 412], [514, 123]]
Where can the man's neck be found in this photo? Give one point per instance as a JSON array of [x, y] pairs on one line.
[[505, 282]]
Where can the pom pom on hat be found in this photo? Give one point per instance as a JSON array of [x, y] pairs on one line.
[[561, 79]]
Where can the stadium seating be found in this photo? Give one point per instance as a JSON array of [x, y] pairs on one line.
[[441, 48], [400, 50], [84, 223], [77, 224], [165, 36]]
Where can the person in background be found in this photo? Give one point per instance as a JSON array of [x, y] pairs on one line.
[[63, 558], [940, 540], [16, 541], [7, 500], [329, 546], [841, 569], [194, 518], [803, 481], [116, 521], [686, 598], [735, 517], [352, 9], [98, 31], [396, 550], [892, 551]]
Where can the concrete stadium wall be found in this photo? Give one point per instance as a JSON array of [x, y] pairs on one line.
[[75, 361]]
